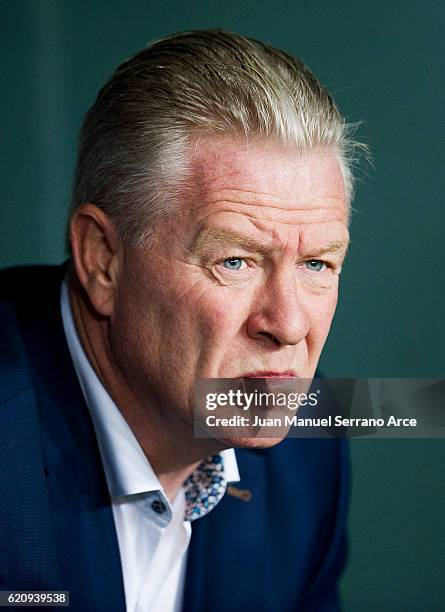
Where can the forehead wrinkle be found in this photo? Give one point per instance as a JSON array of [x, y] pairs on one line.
[[247, 196], [283, 241], [314, 218], [262, 210], [260, 198]]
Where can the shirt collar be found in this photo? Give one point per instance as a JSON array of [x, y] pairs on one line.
[[127, 469]]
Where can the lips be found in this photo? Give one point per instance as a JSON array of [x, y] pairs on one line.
[[270, 374]]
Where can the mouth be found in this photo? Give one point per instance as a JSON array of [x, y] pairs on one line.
[[270, 374]]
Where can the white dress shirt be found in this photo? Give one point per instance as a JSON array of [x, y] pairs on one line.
[[152, 534]]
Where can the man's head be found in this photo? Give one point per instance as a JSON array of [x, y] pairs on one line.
[[210, 217], [134, 158]]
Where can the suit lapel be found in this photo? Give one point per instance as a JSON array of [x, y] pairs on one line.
[[225, 545], [86, 542]]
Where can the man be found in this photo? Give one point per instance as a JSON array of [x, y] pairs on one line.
[[207, 234]]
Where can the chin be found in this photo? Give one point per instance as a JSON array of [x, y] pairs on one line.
[[254, 443]]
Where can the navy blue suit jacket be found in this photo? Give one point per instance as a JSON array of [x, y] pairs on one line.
[[282, 551]]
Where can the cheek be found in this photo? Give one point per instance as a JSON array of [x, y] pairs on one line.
[[134, 337], [321, 311], [220, 316]]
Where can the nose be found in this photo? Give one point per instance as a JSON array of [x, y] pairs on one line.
[[277, 315]]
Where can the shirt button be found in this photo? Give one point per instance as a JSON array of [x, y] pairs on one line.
[[158, 506]]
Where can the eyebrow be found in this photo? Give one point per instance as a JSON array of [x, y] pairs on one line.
[[338, 245], [227, 237], [230, 237]]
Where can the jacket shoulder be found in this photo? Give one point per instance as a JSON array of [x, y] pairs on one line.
[[22, 284], [14, 375]]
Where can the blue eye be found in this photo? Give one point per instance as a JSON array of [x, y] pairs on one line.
[[233, 263], [315, 265]]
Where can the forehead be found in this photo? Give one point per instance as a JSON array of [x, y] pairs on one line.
[[267, 174]]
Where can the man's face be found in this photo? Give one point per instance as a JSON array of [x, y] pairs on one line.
[[243, 281]]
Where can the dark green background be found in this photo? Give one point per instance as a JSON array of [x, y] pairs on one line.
[[384, 63]]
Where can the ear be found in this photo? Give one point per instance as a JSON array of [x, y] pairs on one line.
[[96, 251]]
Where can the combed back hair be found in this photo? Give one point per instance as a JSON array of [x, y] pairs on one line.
[[134, 152]]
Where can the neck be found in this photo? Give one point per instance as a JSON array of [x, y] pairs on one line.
[[167, 443]]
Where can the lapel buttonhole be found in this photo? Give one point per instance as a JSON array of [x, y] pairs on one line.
[[243, 494]]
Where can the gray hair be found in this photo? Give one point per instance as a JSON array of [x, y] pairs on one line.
[[133, 160]]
